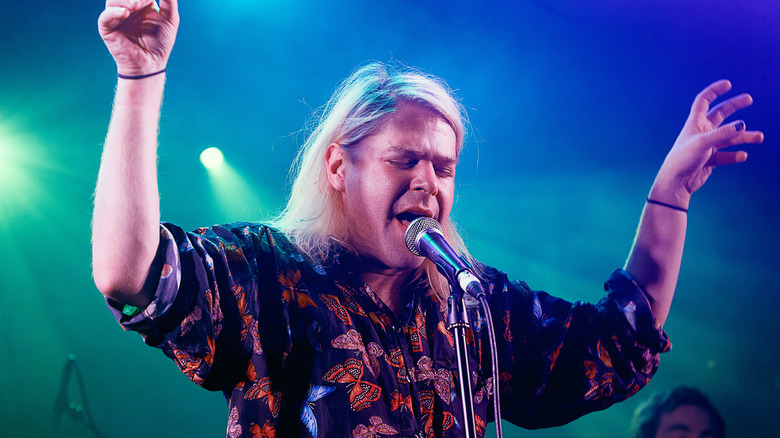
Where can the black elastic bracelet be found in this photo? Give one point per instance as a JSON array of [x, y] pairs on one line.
[[673, 207], [140, 76]]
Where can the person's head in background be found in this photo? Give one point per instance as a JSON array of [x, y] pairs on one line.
[[682, 412]]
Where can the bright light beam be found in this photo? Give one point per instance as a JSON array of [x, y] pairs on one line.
[[21, 164], [212, 158], [236, 197]]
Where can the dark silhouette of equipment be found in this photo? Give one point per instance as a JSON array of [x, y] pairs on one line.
[[77, 410]]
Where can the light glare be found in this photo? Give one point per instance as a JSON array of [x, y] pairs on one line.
[[212, 158]]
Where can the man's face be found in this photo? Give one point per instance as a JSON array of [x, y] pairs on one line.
[[686, 422], [405, 170]]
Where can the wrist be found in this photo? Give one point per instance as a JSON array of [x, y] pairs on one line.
[[667, 205], [140, 76], [140, 93], [670, 193]]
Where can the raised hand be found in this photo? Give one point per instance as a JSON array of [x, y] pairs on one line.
[[699, 147], [139, 33]]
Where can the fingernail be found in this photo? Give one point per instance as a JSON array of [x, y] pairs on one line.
[[739, 125]]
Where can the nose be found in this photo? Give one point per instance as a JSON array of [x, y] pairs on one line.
[[425, 178]]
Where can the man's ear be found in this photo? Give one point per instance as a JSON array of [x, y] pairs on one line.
[[335, 162]]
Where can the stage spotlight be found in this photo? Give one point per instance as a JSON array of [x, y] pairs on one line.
[[212, 158], [234, 194]]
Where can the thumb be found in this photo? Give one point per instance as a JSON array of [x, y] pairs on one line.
[[169, 9]]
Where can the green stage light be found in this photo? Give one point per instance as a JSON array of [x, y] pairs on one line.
[[16, 159]]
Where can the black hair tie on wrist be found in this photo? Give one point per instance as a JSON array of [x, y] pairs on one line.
[[140, 76], [673, 207]]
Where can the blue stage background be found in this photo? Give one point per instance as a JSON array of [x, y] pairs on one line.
[[573, 106]]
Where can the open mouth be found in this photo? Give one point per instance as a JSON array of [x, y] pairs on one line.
[[408, 216]]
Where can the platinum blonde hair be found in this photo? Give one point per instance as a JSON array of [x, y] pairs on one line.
[[314, 216]]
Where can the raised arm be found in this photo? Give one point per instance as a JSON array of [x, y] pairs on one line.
[[125, 227], [655, 258]]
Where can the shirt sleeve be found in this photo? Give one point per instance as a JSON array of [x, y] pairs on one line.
[[560, 360], [204, 311], [164, 277]]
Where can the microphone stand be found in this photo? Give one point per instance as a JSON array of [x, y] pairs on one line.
[[424, 237], [458, 323], [77, 411]]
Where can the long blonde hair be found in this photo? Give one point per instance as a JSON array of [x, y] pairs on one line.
[[314, 215]]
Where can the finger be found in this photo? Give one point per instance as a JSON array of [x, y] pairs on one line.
[[723, 136], [119, 10], [744, 138], [703, 100], [722, 158], [111, 17], [133, 5], [725, 109], [753, 137], [169, 9], [731, 134]]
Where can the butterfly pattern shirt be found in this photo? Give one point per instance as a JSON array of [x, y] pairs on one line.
[[307, 349]]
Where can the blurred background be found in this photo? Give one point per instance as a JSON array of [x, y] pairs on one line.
[[573, 107]]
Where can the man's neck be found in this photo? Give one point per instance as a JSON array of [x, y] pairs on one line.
[[389, 287]]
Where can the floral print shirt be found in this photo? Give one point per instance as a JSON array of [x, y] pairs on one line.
[[307, 349]]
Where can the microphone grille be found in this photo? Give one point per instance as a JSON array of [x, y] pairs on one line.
[[416, 228]]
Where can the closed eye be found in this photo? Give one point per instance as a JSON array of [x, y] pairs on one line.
[[403, 164], [445, 172]]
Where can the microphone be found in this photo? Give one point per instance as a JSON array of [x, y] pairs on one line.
[[424, 238]]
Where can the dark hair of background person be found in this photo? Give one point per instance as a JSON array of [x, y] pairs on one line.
[[647, 416]]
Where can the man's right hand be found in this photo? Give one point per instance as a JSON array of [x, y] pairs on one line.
[[138, 35]]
